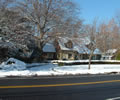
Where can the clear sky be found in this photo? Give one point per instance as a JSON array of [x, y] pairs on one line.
[[102, 9]]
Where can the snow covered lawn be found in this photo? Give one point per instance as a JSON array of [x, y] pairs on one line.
[[19, 68], [83, 69]]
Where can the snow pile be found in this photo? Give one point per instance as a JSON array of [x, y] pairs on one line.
[[13, 64]]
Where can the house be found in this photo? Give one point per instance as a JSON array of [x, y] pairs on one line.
[[110, 54], [49, 52], [67, 49]]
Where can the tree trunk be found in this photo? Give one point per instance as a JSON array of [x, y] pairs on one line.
[[90, 57], [36, 55]]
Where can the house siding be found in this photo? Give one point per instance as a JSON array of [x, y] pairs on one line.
[[66, 55], [49, 56], [83, 56]]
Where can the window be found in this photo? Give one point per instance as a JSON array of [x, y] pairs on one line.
[[69, 55], [69, 44], [50, 55]]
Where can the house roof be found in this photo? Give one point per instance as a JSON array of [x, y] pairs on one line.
[[49, 47], [79, 47], [97, 51], [112, 51], [82, 49]]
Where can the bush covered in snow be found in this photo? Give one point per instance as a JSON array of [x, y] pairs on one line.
[[13, 50], [13, 64]]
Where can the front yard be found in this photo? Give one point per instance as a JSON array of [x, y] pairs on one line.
[[14, 67]]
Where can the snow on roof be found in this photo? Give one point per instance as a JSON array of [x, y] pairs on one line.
[[49, 47], [79, 47], [97, 51], [82, 49], [111, 51], [62, 42]]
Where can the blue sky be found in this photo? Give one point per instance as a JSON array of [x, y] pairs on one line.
[[102, 9]]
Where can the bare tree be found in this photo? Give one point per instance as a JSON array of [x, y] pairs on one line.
[[108, 37], [13, 31], [49, 18], [91, 31], [14, 27], [103, 37], [5, 3]]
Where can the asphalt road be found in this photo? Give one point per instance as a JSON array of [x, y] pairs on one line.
[[89, 87]]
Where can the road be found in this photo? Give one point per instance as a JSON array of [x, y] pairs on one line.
[[89, 87]]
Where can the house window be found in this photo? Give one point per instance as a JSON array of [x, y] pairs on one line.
[[65, 57], [50, 55], [69, 55]]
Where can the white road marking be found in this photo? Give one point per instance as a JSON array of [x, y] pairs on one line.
[[116, 98]]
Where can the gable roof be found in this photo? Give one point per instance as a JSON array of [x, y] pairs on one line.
[[97, 51], [49, 47], [79, 47]]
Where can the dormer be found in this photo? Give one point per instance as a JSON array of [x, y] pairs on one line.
[[69, 44]]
